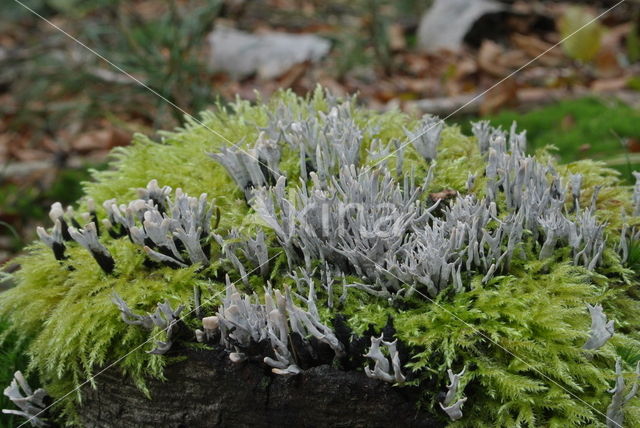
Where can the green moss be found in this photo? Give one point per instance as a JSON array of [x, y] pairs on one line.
[[519, 336], [458, 157], [520, 339]]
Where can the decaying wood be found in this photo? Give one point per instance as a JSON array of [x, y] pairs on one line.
[[207, 390]]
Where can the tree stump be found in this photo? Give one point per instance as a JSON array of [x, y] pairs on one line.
[[208, 390]]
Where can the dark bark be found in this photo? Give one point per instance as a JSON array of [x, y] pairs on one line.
[[207, 390]]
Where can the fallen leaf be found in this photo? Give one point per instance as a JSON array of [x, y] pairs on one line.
[[395, 35], [535, 47], [608, 59], [332, 85], [633, 144], [513, 59], [418, 85], [607, 64], [614, 37], [581, 33], [503, 95], [466, 67], [609, 85], [487, 58], [50, 144], [416, 64], [385, 91], [27, 155], [92, 140], [99, 140]]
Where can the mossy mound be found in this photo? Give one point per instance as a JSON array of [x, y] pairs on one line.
[[339, 225]]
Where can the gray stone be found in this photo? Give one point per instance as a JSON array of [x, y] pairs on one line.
[[446, 23], [268, 55]]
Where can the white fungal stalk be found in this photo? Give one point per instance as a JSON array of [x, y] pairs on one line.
[[601, 329], [88, 238], [31, 403], [636, 194], [155, 194], [388, 370], [244, 323], [451, 408], [427, 137], [161, 225], [165, 318], [54, 240], [615, 410], [253, 168]]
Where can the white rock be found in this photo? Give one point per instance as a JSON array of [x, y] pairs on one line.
[[268, 55], [446, 23]]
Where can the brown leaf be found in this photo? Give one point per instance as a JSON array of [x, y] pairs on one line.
[[395, 34], [416, 64], [49, 144], [461, 77], [421, 86], [607, 60], [534, 46], [25, 154], [503, 95], [385, 91], [513, 59], [633, 144], [609, 85], [92, 140], [121, 137], [607, 63], [614, 37], [535, 97], [489, 59], [100, 140], [332, 85], [465, 67]]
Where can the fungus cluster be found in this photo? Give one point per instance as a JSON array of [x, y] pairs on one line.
[[273, 331], [31, 403]]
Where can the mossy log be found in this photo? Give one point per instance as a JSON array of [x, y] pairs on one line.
[[208, 390]]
